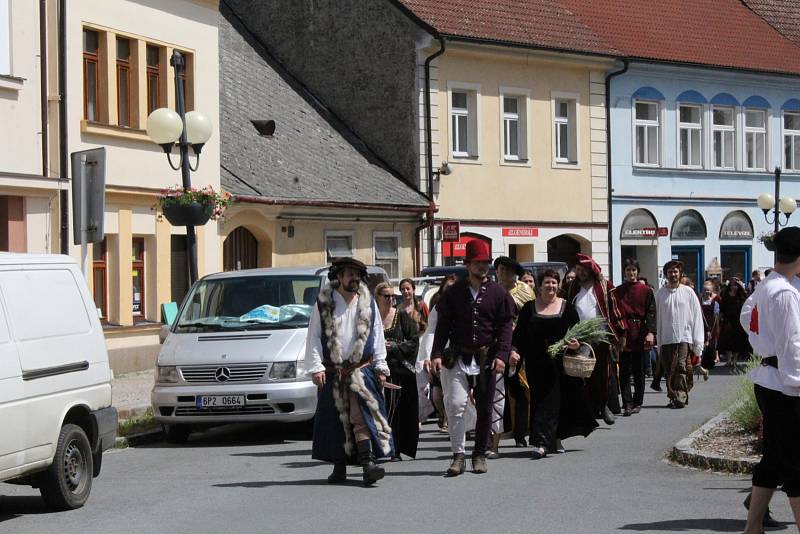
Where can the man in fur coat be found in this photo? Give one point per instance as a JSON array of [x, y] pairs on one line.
[[346, 359]]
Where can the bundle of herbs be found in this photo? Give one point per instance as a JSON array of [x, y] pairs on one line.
[[591, 331]]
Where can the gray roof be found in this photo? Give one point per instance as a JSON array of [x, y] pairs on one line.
[[313, 155]]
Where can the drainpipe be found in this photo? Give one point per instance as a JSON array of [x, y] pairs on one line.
[[428, 146], [425, 224], [63, 157], [43, 83], [610, 75]]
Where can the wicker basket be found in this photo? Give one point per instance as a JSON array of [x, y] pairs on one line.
[[579, 364]]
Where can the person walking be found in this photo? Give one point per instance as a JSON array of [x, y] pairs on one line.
[[732, 338], [773, 323], [638, 306], [709, 303], [756, 277], [594, 296], [559, 403], [474, 317], [679, 331], [413, 306], [402, 345], [346, 359]]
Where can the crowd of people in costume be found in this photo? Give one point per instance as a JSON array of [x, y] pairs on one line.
[[479, 358]]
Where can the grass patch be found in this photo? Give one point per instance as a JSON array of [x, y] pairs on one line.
[[137, 425], [741, 402]]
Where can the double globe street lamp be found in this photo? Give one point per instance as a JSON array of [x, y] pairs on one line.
[[777, 206], [167, 128]]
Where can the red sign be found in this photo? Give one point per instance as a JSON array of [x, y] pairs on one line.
[[663, 231], [524, 231], [451, 231]]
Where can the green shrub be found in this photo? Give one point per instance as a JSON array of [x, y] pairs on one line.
[[741, 402]]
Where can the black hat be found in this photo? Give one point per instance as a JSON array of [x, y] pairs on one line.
[[787, 242], [340, 264], [514, 265]]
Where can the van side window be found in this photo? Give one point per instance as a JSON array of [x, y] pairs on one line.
[[47, 297]]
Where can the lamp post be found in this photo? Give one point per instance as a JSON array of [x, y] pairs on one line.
[[166, 128], [776, 204]]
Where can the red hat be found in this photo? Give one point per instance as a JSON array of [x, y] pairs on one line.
[[477, 250], [588, 263]]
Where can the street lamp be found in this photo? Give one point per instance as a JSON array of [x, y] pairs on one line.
[[167, 128], [776, 204]]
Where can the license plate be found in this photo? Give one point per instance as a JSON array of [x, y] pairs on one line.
[[219, 401]]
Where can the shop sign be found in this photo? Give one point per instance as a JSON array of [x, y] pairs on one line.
[[523, 231], [663, 231], [451, 231], [736, 234], [639, 233]]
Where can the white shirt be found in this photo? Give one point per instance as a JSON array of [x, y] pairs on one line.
[[586, 304], [777, 301], [426, 340], [345, 317], [679, 318]]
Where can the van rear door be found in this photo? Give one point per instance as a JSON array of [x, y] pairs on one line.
[[12, 409]]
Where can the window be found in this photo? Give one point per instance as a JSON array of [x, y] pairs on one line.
[[338, 245], [791, 141], [514, 132], [562, 131], [153, 78], [91, 78], [464, 121], [564, 110], [99, 278], [5, 38], [137, 272], [723, 137], [123, 82], [646, 122], [387, 255], [690, 123], [755, 139]]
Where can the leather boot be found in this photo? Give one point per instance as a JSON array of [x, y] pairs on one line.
[[457, 466], [339, 474], [608, 417], [372, 472], [479, 464]]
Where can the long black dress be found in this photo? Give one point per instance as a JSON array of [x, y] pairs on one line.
[[402, 404], [560, 407]]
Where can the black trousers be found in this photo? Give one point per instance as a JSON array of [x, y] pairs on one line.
[[632, 365], [516, 419], [780, 463]]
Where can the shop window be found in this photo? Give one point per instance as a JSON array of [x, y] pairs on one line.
[[386, 251], [178, 268], [100, 278], [688, 225], [137, 273], [737, 225]]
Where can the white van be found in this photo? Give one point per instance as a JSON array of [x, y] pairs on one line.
[[55, 382], [236, 352]]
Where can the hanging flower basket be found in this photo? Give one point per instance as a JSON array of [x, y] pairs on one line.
[[768, 240], [192, 207]]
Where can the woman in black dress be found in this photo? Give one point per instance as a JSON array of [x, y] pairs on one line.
[[559, 403], [732, 338], [402, 343]]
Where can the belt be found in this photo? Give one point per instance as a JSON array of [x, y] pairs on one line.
[[346, 369], [771, 361]]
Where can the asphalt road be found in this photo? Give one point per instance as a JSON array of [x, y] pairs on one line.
[[262, 479]]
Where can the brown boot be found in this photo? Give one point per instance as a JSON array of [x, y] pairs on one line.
[[479, 464], [457, 466]]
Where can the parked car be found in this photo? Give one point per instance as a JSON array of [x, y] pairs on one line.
[[236, 352], [55, 381]]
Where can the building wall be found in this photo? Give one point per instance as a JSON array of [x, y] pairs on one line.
[[667, 190], [358, 57]]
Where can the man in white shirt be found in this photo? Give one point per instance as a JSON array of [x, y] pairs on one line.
[[679, 330], [773, 325], [346, 359]]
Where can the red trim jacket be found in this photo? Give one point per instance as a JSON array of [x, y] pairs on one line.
[[605, 293]]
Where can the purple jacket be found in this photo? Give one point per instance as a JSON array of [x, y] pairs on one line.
[[471, 324]]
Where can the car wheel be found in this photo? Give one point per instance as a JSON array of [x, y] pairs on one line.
[[176, 433], [67, 482]]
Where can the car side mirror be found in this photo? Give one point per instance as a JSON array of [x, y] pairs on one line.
[[163, 333]]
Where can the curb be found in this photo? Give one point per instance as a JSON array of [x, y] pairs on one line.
[[142, 438], [685, 454]]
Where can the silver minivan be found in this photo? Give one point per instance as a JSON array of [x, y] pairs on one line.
[[236, 352]]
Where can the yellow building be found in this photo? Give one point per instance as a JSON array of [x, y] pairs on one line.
[[115, 72]]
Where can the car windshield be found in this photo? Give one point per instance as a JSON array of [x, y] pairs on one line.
[[250, 303]]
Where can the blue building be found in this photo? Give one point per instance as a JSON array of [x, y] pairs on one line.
[[691, 150]]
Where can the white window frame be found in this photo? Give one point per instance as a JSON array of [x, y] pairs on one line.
[[719, 128], [5, 38], [473, 91], [574, 123], [795, 134], [377, 261], [523, 121], [648, 125], [691, 126], [338, 233], [755, 131]]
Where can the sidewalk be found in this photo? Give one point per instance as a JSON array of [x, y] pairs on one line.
[[130, 393]]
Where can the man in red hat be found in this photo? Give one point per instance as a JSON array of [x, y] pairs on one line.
[[475, 317], [594, 296]]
